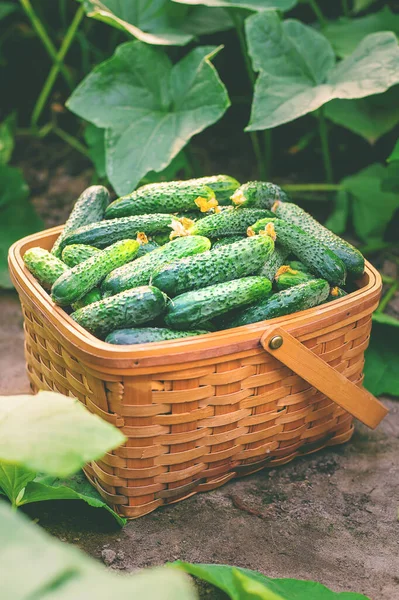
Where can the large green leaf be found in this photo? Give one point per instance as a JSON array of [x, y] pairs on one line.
[[46, 487], [369, 117], [345, 34], [35, 565], [17, 216], [381, 373], [151, 21], [149, 107], [298, 72], [338, 219], [52, 433], [203, 20], [258, 5], [94, 138], [13, 481], [243, 584]]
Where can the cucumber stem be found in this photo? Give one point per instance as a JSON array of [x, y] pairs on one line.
[[317, 11], [52, 76], [47, 43], [388, 297], [72, 141], [325, 146]]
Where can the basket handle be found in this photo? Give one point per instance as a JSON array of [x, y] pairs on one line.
[[354, 399]]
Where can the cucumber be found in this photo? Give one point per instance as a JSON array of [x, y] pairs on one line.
[[105, 233], [147, 248], [274, 262], [297, 265], [140, 271], [193, 308], [89, 208], [227, 223], [225, 241], [321, 260], [164, 197], [161, 238], [258, 194], [350, 256], [127, 309], [82, 278], [336, 293], [214, 266], [76, 253], [287, 277], [145, 335], [44, 266], [93, 296], [300, 297], [222, 185]]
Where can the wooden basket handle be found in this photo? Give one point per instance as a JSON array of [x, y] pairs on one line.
[[355, 400]]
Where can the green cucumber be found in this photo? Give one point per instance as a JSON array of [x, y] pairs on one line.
[[105, 233], [44, 266], [193, 308], [335, 294], [297, 265], [161, 238], [287, 277], [164, 197], [274, 262], [228, 222], [82, 278], [258, 194], [93, 296], [214, 266], [222, 185], [140, 271], [147, 248], [314, 254], [89, 208], [226, 241], [146, 335], [76, 253], [300, 297], [127, 309], [350, 256]]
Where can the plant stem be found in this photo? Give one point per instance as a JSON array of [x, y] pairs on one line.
[[263, 163], [312, 187], [388, 297], [47, 43], [72, 141], [317, 11], [387, 279], [345, 8], [325, 147], [52, 76]]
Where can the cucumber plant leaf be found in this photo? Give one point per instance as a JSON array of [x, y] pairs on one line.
[[258, 5], [345, 34], [52, 433], [244, 584], [36, 565], [95, 140], [6, 8], [381, 374], [338, 219], [149, 108], [369, 117], [359, 5], [298, 72], [154, 22], [13, 481], [395, 153]]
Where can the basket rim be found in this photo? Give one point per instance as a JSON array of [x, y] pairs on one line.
[[186, 349]]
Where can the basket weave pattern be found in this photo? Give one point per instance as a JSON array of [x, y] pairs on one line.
[[196, 413]]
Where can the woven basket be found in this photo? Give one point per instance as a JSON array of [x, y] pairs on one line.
[[198, 412]]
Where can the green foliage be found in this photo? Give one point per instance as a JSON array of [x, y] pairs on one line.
[[35, 565], [6, 8], [95, 140], [298, 72], [7, 139], [258, 5], [360, 5], [394, 154], [381, 373], [158, 108], [243, 584]]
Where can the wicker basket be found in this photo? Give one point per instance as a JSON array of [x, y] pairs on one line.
[[198, 412]]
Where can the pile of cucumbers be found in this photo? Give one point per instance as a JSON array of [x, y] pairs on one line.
[[183, 258]]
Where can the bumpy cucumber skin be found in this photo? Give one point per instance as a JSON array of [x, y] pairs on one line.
[[300, 297], [44, 266], [141, 270], [89, 208], [146, 335], [228, 222], [226, 241], [214, 266], [274, 262], [193, 308], [147, 248], [106, 233], [127, 309], [314, 254], [76, 253], [258, 194], [82, 278], [164, 197], [223, 186], [350, 256], [297, 265], [288, 280], [93, 296], [161, 238]]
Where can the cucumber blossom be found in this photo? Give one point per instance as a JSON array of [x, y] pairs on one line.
[[258, 194], [350, 256], [82, 278], [141, 270], [44, 266], [89, 208], [336, 293], [145, 335], [214, 266], [193, 308], [287, 277]]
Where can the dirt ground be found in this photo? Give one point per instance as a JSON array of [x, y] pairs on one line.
[[331, 517]]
